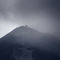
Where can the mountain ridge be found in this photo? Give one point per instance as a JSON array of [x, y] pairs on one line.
[[31, 39]]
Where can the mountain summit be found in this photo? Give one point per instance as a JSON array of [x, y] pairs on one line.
[[23, 35], [29, 40]]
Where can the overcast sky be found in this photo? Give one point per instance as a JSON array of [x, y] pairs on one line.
[[42, 15]]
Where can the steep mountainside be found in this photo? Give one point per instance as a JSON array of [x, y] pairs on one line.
[[24, 43]]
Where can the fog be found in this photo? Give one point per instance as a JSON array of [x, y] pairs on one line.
[[42, 15]]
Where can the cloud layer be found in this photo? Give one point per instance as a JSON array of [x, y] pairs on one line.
[[42, 15]]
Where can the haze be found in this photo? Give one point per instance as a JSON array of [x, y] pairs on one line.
[[42, 15]]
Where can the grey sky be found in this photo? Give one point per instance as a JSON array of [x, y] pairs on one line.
[[42, 15]]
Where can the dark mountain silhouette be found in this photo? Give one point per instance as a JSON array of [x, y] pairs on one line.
[[25, 43]]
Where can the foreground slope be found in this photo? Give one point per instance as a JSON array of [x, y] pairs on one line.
[[25, 43]]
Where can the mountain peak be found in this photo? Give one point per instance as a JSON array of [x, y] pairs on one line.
[[28, 36], [26, 26], [25, 30]]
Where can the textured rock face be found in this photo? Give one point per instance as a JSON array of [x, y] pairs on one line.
[[23, 54]]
